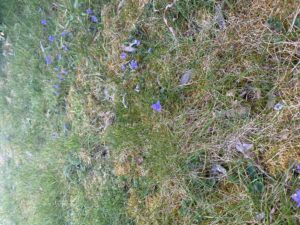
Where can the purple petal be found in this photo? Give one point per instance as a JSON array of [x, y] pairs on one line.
[[94, 19], [51, 38], [64, 33], [65, 48], [123, 55], [136, 42], [44, 22], [48, 59], [298, 168], [123, 67], [296, 197], [133, 64], [89, 11], [157, 106], [60, 77], [279, 106]]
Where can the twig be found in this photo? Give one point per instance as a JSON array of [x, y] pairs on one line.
[[294, 19], [165, 18]]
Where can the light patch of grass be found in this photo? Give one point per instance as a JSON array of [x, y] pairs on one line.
[[98, 153]]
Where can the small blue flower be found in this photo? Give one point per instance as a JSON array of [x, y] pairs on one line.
[[123, 55], [296, 197], [298, 168], [58, 57], [56, 86], [56, 68], [89, 11], [133, 64], [157, 106], [65, 48], [136, 42], [123, 67], [51, 38], [64, 33], [279, 106], [44, 22], [48, 59], [94, 19], [60, 77]]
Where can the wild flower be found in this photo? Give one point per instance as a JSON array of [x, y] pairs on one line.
[[44, 22], [65, 48], [298, 168], [136, 42], [279, 106], [56, 86], [48, 60], [64, 33], [157, 106], [133, 64], [123, 67], [51, 38], [94, 19], [296, 197], [89, 11], [59, 76], [123, 55]]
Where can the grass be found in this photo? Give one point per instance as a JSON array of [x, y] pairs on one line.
[[96, 153]]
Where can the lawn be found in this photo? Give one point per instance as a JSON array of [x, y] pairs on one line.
[[149, 112]]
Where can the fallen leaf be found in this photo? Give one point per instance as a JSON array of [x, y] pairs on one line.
[[129, 49], [186, 77], [243, 147], [218, 171]]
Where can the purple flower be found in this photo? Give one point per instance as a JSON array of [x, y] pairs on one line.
[[298, 168], [123, 67], [56, 68], [89, 11], [60, 77], [136, 42], [123, 55], [51, 38], [56, 86], [279, 106], [65, 48], [58, 56], [64, 33], [94, 19], [133, 64], [157, 106], [44, 22], [48, 59], [296, 197]]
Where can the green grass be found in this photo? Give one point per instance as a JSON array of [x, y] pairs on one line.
[[97, 153]]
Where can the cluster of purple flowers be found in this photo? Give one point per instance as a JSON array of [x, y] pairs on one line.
[[49, 60], [92, 17], [133, 64]]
